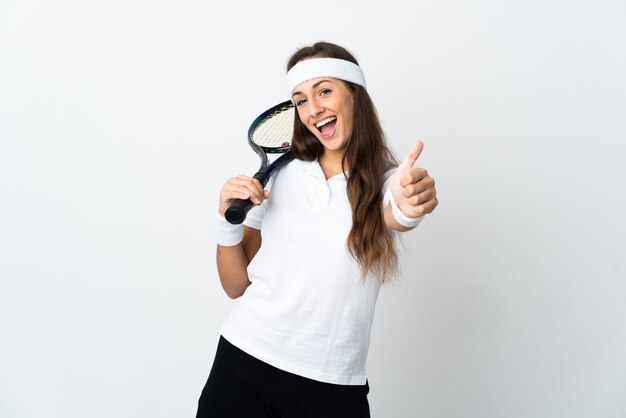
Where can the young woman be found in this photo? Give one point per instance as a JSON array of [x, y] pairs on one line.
[[308, 263]]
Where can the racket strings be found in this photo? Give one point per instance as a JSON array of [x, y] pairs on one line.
[[276, 130]]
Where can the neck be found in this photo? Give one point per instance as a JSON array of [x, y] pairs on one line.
[[331, 164]]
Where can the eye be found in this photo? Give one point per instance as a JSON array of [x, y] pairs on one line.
[[300, 102], [324, 92]]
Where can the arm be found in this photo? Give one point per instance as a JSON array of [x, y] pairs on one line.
[[232, 262], [413, 190], [237, 244], [392, 223]]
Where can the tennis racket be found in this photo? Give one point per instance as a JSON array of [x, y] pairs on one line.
[[270, 133]]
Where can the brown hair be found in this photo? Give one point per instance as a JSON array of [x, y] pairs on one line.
[[368, 159]]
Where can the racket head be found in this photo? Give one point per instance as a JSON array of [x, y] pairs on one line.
[[272, 131]]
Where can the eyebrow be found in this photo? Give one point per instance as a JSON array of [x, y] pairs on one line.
[[313, 86]]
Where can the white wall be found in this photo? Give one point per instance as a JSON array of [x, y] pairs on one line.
[[120, 120]]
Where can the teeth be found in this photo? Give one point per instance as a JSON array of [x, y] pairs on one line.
[[325, 121]]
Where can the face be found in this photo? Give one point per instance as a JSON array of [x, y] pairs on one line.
[[326, 107]]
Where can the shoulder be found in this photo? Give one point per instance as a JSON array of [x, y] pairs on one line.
[[293, 172], [301, 165]]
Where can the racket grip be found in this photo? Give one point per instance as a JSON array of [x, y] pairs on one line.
[[262, 177], [238, 210]]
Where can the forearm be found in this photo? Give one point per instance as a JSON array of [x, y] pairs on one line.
[[232, 261], [391, 221], [232, 267]]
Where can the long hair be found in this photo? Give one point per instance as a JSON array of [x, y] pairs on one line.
[[368, 159]]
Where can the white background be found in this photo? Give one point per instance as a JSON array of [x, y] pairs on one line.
[[120, 120]]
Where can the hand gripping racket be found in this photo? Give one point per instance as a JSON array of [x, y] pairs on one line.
[[270, 133]]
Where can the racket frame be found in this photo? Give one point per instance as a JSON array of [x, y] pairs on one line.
[[238, 209]]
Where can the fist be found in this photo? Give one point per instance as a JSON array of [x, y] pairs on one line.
[[241, 187], [412, 187]]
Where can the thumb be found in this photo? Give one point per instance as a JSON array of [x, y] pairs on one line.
[[410, 158]]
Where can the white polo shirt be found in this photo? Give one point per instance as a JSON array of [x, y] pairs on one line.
[[308, 309]]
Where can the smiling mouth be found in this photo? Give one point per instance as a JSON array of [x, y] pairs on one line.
[[327, 125], [325, 121]]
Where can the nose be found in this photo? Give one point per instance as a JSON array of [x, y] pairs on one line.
[[315, 107]]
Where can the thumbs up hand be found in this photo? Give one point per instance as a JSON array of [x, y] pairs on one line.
[[412, 187]]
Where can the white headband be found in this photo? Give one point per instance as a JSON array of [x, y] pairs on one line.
[[324, 67]]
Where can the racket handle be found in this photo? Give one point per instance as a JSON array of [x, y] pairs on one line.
[[237, 211]]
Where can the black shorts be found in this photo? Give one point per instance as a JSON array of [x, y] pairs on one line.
[[241, 386]]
